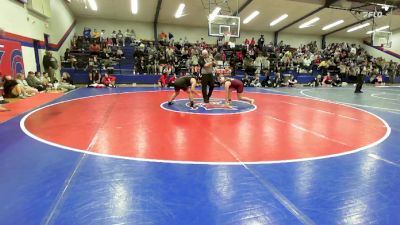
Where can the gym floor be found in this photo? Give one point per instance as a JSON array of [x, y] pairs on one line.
[[124, 156]]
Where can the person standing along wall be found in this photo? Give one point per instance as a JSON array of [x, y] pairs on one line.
[[50, 65]]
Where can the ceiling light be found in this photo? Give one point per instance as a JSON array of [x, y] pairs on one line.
[[382, 28], [252, 16], [93, 5], [308, 23], [279, 19], [378, 29], [179, 12], [358, 27], [214, 13], [134, 6], [329, 26]]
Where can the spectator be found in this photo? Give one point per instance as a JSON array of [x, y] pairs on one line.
[[94, 49], [246, 80], [12, 89], [248, 65], [50, 65], [68, 57], [292, 81], [128, 38], [109, 81], [163, 81], [277, 80], [260, 42], [337, 82], [66, 82], [327, 80], [87, 33], [44, 79], [114, 38], [28, 89], [96, 36], [34, 82], [252, 43], [95, 79], [307, 63], [120, 38], [256, 81]]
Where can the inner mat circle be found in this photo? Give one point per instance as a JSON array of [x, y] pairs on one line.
[[134, 126]]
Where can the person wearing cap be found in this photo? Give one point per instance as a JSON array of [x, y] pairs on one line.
[[230, 85], [187, 84], [207, 63]]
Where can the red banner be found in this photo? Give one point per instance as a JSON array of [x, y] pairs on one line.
[[11, 61]]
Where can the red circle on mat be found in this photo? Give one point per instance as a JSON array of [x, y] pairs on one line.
[[133, 125]]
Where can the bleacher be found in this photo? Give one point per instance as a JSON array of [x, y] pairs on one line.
[[123, 69]]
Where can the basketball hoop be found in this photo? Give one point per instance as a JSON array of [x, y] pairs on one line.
[[227, 36]]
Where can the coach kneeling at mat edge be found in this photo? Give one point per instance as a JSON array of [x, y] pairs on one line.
[[207, 63]]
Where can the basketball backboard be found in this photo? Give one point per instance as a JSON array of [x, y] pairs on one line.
[[222, 24], [382, 39]]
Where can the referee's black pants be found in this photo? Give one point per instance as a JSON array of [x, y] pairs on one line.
[[360, 82], [207, 80]]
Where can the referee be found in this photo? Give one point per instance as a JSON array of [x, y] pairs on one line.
[[206, 63], [360, 79]]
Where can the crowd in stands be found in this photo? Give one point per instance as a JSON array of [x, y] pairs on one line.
[[263, 64], [255, 58]]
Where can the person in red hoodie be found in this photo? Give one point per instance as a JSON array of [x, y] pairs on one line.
[[109, 81], [252, 42], [163, 81]]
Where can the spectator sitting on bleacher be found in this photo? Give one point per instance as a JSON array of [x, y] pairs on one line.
[[21, 81], [120, 53], [34, 82], [248, 65], [120, 38], [12, 89], [94, 49], [69, 58], [258, 64], [307, 63]]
